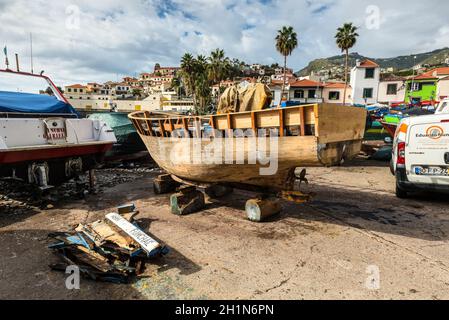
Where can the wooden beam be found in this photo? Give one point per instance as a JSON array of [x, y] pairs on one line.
[[281, 122], [212, 124], [150, 127], [316, 115], [139, 127], [254, 123], [161, 128], [302, 119], [185, 125]]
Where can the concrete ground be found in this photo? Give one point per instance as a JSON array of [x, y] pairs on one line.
[[356, 240]]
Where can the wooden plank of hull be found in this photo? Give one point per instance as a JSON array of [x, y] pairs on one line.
[[295, 151], [340, 123]]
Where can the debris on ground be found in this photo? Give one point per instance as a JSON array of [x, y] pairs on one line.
[[114, 249], [18, 198]]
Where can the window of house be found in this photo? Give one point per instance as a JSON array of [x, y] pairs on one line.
[[369, 73], [334, 95], [311, 94], [69, 90], [299, 94], [392, 89], [415, 86], [75, 90], [367, 93]]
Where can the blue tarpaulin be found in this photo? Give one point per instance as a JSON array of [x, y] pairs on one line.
[[33, 103]]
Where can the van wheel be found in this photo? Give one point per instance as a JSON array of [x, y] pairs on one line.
[[401, 193]]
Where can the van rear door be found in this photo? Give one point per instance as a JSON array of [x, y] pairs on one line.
[[427, 150]]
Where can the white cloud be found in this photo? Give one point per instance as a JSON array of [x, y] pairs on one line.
[[126, 37]]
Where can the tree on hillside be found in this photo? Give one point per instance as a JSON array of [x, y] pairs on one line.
[[286, 42], [137, 92], [346, 38], [176, 84], [187, 74], [219, 66]]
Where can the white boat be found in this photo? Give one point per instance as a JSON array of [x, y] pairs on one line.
[[42, 140]]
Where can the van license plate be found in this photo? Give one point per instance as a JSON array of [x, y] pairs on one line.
[[431, 171]]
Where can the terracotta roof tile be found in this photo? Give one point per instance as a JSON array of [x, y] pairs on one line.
[[335, 85], [305, 83], [76, 86], [368, 64]]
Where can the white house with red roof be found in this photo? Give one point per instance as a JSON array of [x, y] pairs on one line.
[[333, 92], [365, 77], [306, 91], [391, 90]]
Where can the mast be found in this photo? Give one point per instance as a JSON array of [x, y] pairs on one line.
[[31, 49]]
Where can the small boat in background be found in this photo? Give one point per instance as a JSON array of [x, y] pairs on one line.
[[42, 140], [128, 140], [391, 120]]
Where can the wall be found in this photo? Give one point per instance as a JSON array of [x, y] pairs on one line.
[[428, 92], [151, 103], [383, 97], [358, 83], [326, 92], [443, 89], [276, 92]]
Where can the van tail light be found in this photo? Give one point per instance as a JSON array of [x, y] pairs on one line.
[[401, 153], [445, 120]]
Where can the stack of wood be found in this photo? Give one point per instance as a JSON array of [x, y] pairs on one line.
[[114, 249]]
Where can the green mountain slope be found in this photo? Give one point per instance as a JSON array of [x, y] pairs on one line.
[[398, 63]]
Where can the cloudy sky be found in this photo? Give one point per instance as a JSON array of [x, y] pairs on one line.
[[85, 40]]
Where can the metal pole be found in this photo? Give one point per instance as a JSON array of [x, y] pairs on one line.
[[31, 50], [17, 63]]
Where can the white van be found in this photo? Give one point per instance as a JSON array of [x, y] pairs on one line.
[[443, 107], [421, 154]]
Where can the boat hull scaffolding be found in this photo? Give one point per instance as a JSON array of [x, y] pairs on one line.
[[301, 136]]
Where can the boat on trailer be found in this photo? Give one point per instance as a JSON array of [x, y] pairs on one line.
[[228, 149], [42, 140]]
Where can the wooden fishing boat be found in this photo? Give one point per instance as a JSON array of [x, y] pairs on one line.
[[299, 136]]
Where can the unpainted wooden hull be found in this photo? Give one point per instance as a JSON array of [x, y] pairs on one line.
[[205, 166], [309, 135]]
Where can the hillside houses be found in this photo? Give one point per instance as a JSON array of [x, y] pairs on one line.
[[150, 91], [368, 84]]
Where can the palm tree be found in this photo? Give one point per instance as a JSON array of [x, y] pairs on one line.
[[346, 38], [203, 92], [188, 64], [176, 84], [187, 69], [219, 66], [286, 42]]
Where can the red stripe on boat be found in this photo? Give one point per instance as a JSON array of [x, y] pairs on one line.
[[51, 153]]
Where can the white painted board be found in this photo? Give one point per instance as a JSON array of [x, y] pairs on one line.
[[146, 242]]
